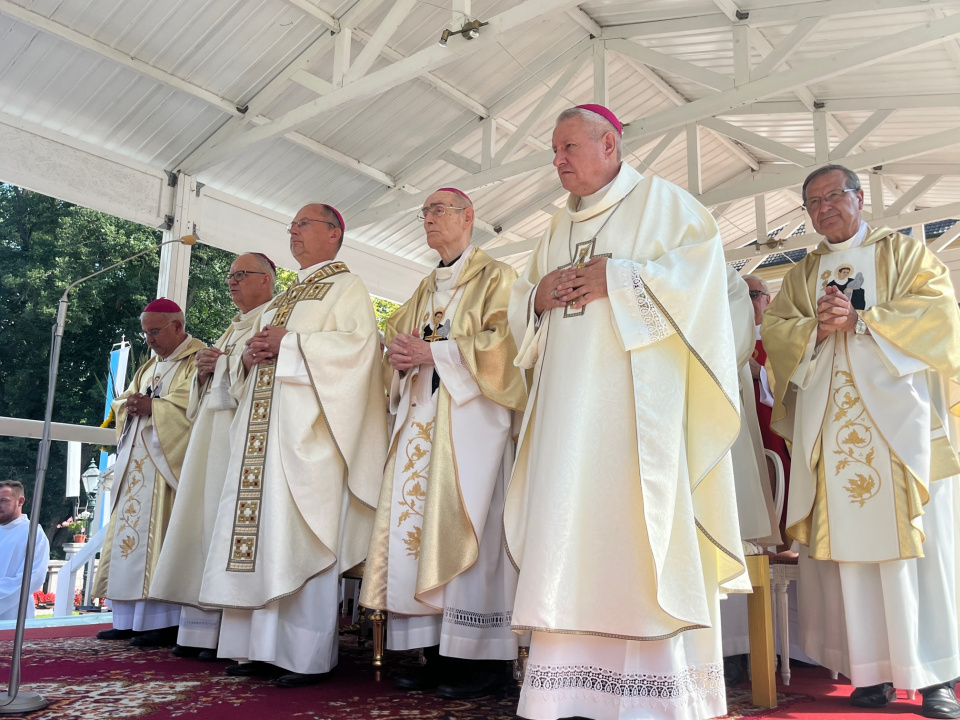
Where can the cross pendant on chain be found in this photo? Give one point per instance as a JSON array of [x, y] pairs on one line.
[[583, 253]]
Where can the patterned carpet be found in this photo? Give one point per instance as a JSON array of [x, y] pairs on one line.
[[87, 679]]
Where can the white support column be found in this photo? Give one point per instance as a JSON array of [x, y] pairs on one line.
[[175, 258], [461, 13], [694, 184], [341, 56], [601, 79], [877, 205], [821, 138], [741, 54], [920, 233], [488, 140], [760, 208]]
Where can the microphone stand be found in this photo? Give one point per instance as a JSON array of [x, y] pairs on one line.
[[14, 701]]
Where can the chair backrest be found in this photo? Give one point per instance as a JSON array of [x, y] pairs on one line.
[[775, 466]]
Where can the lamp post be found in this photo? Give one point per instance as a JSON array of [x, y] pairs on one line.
[[91, 483]]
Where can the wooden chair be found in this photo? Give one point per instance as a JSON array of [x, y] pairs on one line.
[[760, 618]]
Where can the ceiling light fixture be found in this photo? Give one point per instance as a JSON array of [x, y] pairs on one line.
[[470, 31]]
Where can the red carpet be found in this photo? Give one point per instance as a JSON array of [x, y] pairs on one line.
[[87, 679]]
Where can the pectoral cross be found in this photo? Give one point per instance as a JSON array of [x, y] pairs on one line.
[[583, 253]]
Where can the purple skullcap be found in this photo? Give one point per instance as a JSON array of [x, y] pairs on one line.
[[162, 305], [269, 261], [606, 114], [336, 213], [461, 193]]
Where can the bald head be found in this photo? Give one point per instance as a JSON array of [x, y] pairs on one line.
[[448, 222], [251, 281], [320, 237]]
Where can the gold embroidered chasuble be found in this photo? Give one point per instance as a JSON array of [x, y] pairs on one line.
[[150, 455], [211, 408], [867, 440], [624, 450], [448, 542], [307, 451]]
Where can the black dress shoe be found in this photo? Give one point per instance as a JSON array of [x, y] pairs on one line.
[[427, 676], [295, 680], [163, 637], [208, 655], [939, 701], [873, 696], [114, 634], [185, 651], [473, 679], [734, 670], [254, 669]]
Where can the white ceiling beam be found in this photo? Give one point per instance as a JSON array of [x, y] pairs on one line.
[[878, 203], [918, 232], [951, 46], [728, 8], [586, 22], [741, 54], [908, 200], [863, 131], [677, 99], [764, 182], [316, 13], [721, 210], [461, 162], [760, 216], [488, 142], [941, 243], [529, 208], [789, 222], [342, 46], [543, 67], [784, 152], [660, 147], [898, 168], [763, 45], [96, 47], [516, 248], [670, 64], [311, 82], [845, 61], [371, 51], [694, 182], [379, 81], [852, 104], [809, 240], [821, 137], [535, 115], [601, 78], [778, 56]]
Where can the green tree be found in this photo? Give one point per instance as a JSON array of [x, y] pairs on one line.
[[383, 309]]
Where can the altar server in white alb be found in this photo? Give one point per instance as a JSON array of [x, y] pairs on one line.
[[306, 462], [14, 531], [211, 408], [862, 336], [153, 431], [436, 560], [621, 515]]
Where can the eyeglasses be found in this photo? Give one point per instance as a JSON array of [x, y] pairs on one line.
[[156, 331], [813, 204], [239, 275], [754, 294], [301, 224], [436, 210]]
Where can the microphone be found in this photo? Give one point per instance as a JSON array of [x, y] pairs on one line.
[[13, 701]]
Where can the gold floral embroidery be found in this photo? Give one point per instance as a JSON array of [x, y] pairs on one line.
[[855, 440], [413, 493], [128, 518]]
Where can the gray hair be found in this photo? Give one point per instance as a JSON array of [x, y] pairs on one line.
[[599, 125], [169, 318], [757, 278], [266, 268], [852, 181]]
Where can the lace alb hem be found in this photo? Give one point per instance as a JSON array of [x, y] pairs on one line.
[[467, 618], [643, 309], [695, 685]]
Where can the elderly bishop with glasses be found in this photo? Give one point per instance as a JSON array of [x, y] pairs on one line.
[[309, 440], [863, 338], [153, 430], [211, 408]]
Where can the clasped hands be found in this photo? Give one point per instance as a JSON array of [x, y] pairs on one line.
[[263, 348], [409, 350], [207, 362], [577, 285], [140, 405], [834, 313]]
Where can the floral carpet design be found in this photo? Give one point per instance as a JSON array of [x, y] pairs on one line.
[[88, 679]]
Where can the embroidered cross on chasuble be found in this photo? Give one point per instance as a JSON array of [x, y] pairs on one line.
[[582, 254], [246, 524]]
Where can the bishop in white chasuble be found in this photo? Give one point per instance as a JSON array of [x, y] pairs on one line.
[[211, 408], [621, 514], [862, 337], [153, 430], [436, 561], [309, 441]]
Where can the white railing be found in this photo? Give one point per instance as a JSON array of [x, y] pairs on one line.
[[67, 580]]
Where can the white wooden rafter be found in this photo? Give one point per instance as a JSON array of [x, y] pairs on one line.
[[694, 178], [908, 200], [778, 55], [316, 13], [670, 64], [374, 47]]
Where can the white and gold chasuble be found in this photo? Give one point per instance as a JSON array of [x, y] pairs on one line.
[[211, 407], [873, 473], [621, 514], [309, 440], [150, 453], [468, 616]]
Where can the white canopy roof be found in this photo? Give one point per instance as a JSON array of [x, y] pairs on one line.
[[229, 115]]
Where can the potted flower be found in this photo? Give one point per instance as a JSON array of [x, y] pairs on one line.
[[78, 527]]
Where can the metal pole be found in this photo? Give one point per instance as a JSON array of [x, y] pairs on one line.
[[14, 701]]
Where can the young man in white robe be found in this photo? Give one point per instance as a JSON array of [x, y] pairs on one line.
[[309, 441], [437, 562], [211, 408], [860, 394], [14, 531], [153, 431], [621, 514]]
